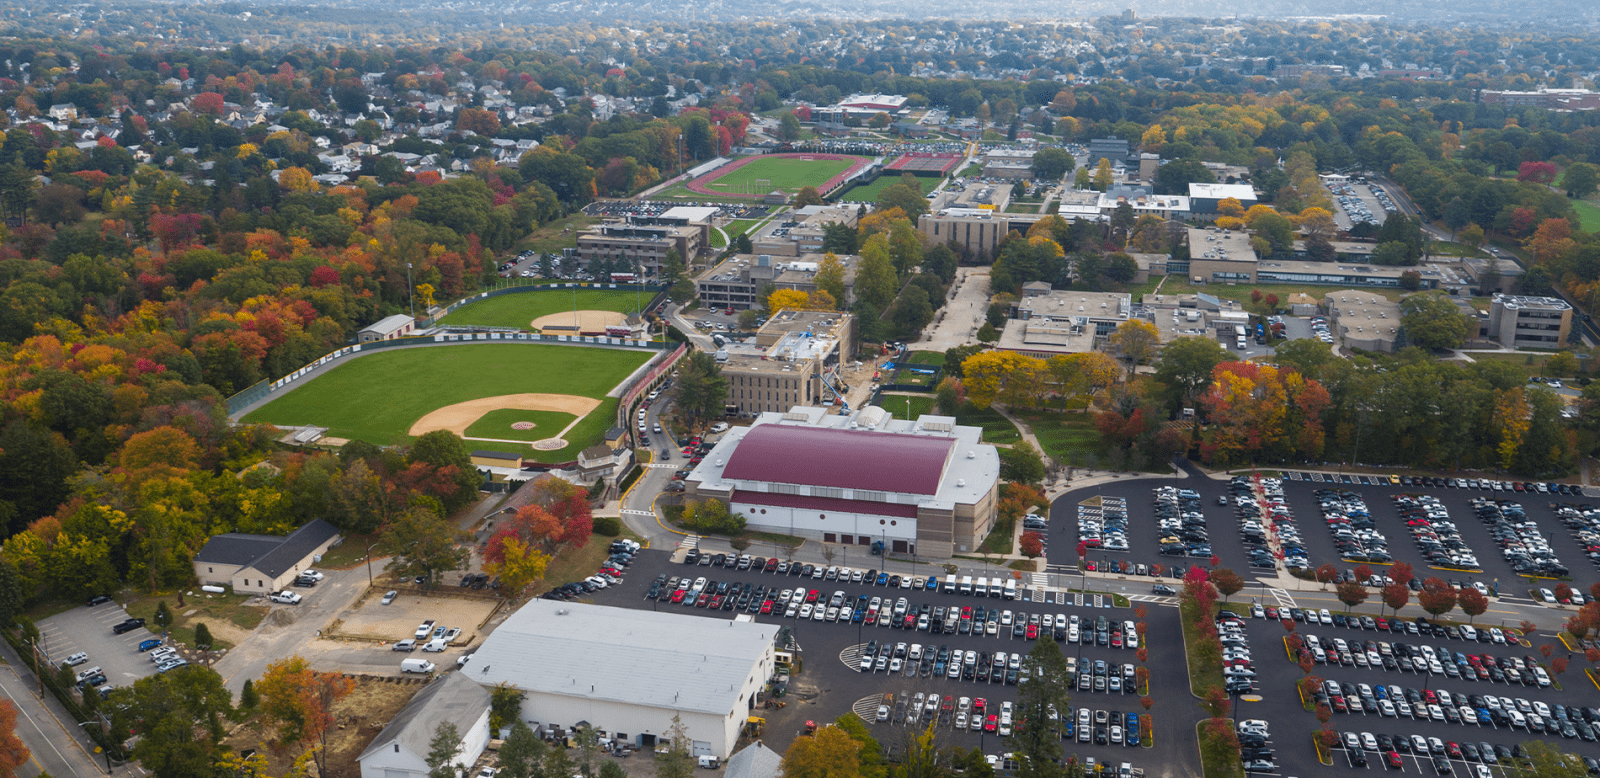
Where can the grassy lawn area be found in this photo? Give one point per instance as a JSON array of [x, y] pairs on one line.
[[551, 239], [1449, 249], [868, 193], [519, 309], [927, 358], [1000, 538], [213, 608], [573, 564], [497, 424], [1069, 438], [378, 397], [1532, 361], [1588, 215]]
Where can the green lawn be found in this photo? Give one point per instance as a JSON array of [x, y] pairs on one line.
[[521, 308], [497, 424], [1449, 249], [786, 174], [927, 358], [996, 428], [1069, 438], [377, 398], [1588, 215], [868, 193], [551, 238]]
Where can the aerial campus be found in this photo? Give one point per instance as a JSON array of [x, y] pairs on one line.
[[672, 395]]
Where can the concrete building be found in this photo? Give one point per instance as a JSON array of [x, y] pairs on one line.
[[1529, 322], [794, 361], [802, 232], [401, 749], [1543, 97], [1114, 149], [980, 196], [1171, 207], [978, 231], [1218, 256], [263, 563], [926, 487], [1045, 323], [1203, 198], [1080, 204], [1103, 311], [1364, 320], [628, 672], [388, 328], [1008, 164], [645, 240], [739, 281]]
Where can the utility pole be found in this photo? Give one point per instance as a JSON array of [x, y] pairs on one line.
[[411, 293]]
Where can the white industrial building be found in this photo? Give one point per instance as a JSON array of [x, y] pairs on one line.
[[401, 749], [628, 672]]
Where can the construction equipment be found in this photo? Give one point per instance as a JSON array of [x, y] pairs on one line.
[[754, 725], [811, 727]]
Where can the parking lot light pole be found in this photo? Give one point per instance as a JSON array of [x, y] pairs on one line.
[[369, 564]]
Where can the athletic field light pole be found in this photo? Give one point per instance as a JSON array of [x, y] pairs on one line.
[[411, 292]]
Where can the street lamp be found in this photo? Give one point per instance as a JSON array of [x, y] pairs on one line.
[[369, 563]]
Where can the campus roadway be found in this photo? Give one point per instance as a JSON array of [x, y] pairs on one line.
[[55, 749]]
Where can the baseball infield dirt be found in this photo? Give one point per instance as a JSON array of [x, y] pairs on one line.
[[587, 322], [457, 418]]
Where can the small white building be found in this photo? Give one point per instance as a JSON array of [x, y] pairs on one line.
[[401, 749], [262, 563], [388, 328], [628, 672]]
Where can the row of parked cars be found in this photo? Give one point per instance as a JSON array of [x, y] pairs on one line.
[[1438, 753], [1399, 626], [1424, 658], [1255, 513], [1584, 523], [1436, 535], [610, 573], [1522, 544], [1182, 522], [1355, 532]]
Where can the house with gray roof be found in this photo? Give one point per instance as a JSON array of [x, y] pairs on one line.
[[263, 563], [401, 749], [754, 761]]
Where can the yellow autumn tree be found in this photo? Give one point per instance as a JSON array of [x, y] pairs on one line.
[[1153, 139], [1137, 340], [1230, 206], [787, 299], [296, 179], [519, 565], [1510, 422], [984, 375]]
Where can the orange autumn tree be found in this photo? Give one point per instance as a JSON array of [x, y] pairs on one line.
[[1262, 412], [300, 702]]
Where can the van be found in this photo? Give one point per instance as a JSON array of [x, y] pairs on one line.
[[409, 644], [966, 585], [416, 666], [981, 588], [949, 584], [708, 762], [1011, 589], [996, 588]]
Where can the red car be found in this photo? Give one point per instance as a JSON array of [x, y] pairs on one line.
[[978, 706], [1394, 760], [702, 600], [991, 723], [766, 607], [1033, 631], [812, 595], [1116, 639], [677, 596]]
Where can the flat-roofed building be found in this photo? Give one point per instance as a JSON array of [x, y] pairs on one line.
[[926, 487], [1171, 207], [644, 240], [977, 231], [1519, 321], [1008, 164], [1364, 320], [629, 672], [802, 232], [1203, 198], [1218, 256], [793, 361], [739, 280]]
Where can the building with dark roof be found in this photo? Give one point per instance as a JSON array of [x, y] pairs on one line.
[[263, 563], [401, 749], [925, 487]]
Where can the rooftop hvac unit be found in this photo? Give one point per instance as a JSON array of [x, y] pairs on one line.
[[972, 455], [961, 482]]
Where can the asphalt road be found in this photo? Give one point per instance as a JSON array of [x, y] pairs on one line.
[[51, 746], [829, 686]]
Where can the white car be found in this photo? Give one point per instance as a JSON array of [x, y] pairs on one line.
[[287, 598], [314, 575], [1547, 596], [436, 645]]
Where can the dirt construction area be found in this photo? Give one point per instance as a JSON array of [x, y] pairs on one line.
[[372, 620], [457, 418], [577, 322]]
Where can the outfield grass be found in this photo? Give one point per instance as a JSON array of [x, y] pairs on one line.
[[497, 424], [1588, 215], [521, 308], [377, 398], [868, 193]]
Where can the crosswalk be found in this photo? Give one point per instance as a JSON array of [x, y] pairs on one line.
[[636, 512], [851, 657], [1154, 599], [1283, 598], [662, 465], [689, 541]]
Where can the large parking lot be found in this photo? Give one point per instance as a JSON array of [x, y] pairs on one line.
[[88, 630], [1301, 494], [833, 683]]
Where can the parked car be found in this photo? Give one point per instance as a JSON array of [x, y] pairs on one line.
[[390, 596], [286, 597], [127, 626], [99, 599], [408, 644]]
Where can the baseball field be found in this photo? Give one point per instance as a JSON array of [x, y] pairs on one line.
[[483, 392], [521, 308]]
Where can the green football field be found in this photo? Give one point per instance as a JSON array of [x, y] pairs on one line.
[[378, 397], [520, 308], [869, 193], [785, 174]]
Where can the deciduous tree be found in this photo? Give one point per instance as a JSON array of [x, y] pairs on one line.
[[1472, 602], [420, 543], [1351, 593], [300, 702], [1436, 597], [829, 753]]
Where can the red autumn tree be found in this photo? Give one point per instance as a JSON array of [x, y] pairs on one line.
[[1536, 172]]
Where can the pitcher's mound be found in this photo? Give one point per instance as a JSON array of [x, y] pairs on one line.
[[522, 425], [578, 322], [549, 444]]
